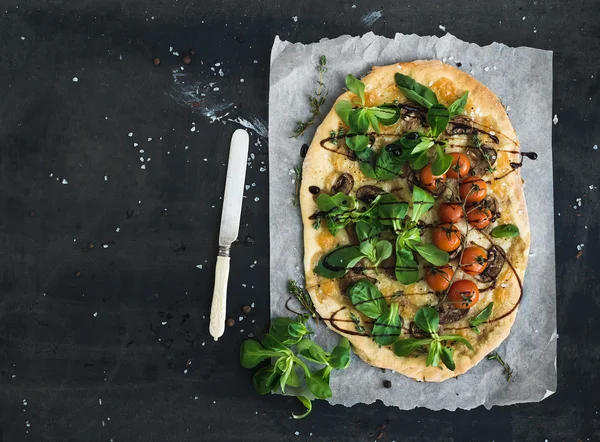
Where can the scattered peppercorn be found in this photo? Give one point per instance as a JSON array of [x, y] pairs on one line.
[[156, 61], [387, 384], [192, 52], [230, 322], [187, 59], [246, 309], [77, 273]]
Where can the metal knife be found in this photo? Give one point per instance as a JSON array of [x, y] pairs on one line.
[[230, 226]]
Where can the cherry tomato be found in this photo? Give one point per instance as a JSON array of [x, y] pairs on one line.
[[479, 217], [451, 212], [430, 181], [460, 165], [474, 260], [438, 278], [463, 294], [447, 237], [473, 189]]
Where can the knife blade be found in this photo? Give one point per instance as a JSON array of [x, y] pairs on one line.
[[230, 226]]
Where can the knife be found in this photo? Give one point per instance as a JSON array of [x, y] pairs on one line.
[[230, 226]]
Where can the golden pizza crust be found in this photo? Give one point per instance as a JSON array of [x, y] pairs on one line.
[[322, 167]]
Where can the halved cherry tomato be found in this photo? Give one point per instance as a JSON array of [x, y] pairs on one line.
[[438, 278], [447, 237], [460, 165], [430, 181], [479, 217], [474, 260], [451, 212], [473, 189], [463, 294]]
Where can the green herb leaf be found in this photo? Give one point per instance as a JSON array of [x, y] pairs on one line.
[[457, 338], [404, 347], [422, 202], [343, 109], [482, 317], [388, 164], [433, 356], [265, 380], [438, 118], [427, 319], [458, 107], [356, 86], [447, 357], [373, 120], [432, 254], [271, 343], [318, 387], [367, 298], [336, 263], [410, 140], [323, 373], [307, 403], [389, 209], [387, 114], [423, 146], [505, 231], [340, 355], [366, 163], [383, 250], [287, 331], [420, 161], [293, 380], [311, 351], [388, 327], [286, 368], [407, 270], [252, 353], [415, 92], [359, 121], [357, 142], [442, 162]]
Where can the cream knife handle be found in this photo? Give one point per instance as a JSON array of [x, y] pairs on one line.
[[219, 300]]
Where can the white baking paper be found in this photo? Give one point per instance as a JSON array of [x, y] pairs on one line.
[[522, 79]]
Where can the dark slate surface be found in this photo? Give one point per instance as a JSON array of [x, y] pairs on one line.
[[87, 357]]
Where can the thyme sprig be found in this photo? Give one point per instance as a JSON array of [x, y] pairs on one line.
[[494, 356], [316, 101], [301, 294]]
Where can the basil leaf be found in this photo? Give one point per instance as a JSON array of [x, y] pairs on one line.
[[505, 231], [340, 355], [318, 387], [419, 162], [367, 298], [373, 121], [407, 270], [422, 201], [252, 353], [438, 118], [307, 403], [433, 356], [359, 122], [457, 338], [432, 254], [387, 114], [366, 162], [415, 91], [388, 327], [458, 107], [427, 319], [356, 86], [343, 109], [265, 380], [388, 164], [447, 357], [404, 347], [336, 263], [389, 209], [482, 317], [442, 162], [357, 142]]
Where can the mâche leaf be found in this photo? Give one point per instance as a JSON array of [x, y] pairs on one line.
[[389, 209], [458, 107], [389, 163], [420, 161], [432, 254], [359, 122], [457, 338], [307, 403], [438, 118], [442, 162], [319, 387], [433, 355], [265, 379], [427, 319], [357, 143], [367, 298], [404, 347], [447, 357], [415, 92], [388, 327], [356, 86], [482, 317], [343, 109], [336, 263], [422, 202], [406, 269], [505, 231], [252, 353], [340, 355]]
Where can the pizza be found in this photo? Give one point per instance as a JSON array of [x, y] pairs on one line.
[[416, 232]]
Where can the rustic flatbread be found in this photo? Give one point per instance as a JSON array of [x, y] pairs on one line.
[[481, 131]]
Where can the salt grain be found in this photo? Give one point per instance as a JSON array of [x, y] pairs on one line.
[[95, 314], [75, 79], [130, 134], [65, 181], [199, 266], [555, 119]]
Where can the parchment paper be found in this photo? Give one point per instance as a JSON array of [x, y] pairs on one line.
[[522, 78]]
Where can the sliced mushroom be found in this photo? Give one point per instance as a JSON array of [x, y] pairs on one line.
[[449, 314], [351, 277], [482, 158], [491, 203], [416, 332], [495, 262], [351, 231], [460, 126], [413, 180], [456, 253], [344, 184], [368, 193]]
